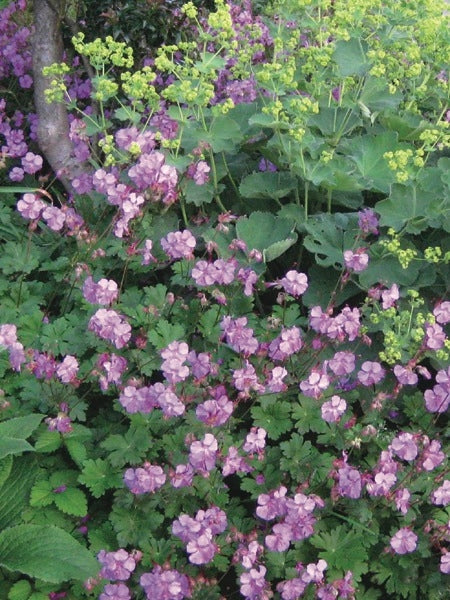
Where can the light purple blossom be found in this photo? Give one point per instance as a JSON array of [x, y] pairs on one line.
[[68, 369], [442, 312], [199, 172], [441, 495], [315, 385], [103, 292], [404, 446], [401, 499], [182, 476], [245, 380], [173, 365], [444, 566], [215, 412], [238, 335], [203, 454], [404, 541], [253, 584], [110, 325], [368, 221], [116, 565], [390, 296], [255, 440], [349, 482], [31, 163], [342, 363], [202, 549], [356, 261], [371, 373], [287, 343], [179, 244], [405, 375], [165, 584], [115, 591], [30, 206], [234, 463], [145, 479], [432, 455], [275, 382], [294, 283], [434, 337], [54, 217], [272, 505], [333, 409]]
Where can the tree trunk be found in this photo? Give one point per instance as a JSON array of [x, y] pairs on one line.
[[53, 122]]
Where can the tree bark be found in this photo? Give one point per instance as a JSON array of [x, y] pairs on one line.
[[53, 121]]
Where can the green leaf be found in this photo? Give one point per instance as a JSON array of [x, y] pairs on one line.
[[267, 185], [18, 258], [71, 501], [414, 207], [343, 550], [328, 237], [198, 194], [377, 97], [21, 590], [48, 441], [129, 448], [273, 416], [367, 152], [98, 476], [16, 488], [13, 433], [261, 230], [350, 57], [307, 416], [278, 248], [47, 553], [42, 494], [165, 333], [77, 450]]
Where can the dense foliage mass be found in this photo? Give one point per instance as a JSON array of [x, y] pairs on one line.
[[224, 351]]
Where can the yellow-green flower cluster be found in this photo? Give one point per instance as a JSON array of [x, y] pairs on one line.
[[401, 162], [137, 86], [107, 52], [58, 89], [190, 10], [104, 88], [393, 245]]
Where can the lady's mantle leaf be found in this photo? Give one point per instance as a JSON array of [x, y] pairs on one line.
[[48, 553]]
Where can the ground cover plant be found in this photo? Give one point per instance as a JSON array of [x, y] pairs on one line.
[[224, 333]]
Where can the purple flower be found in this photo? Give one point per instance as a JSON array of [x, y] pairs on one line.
[[145, 479], [115, 591], [349, 482], [203, 454], [315, 385], [215, 412], [253, 584], [404, 541], [116, 565], [166, 584], [255, 440], [438, 399], [368, 221], [238, 336], [390, 296], [444, 566], [292, 589], [280, 538], [342, 363], [246, 379], [333, 410], [275, 382], [54, 217], [173, 365], [294, 283], [272, 505], [234, 463], [287, 343], [182, 477], [110, 325], [30, 206], [404, 446], [179, 244], [371, 373], [401, 500], [405, 375], [31, 163], [441, 495], [434, 337], [442, 312], [432, 455], [104, 292], [68, 369], [113, 366], [202, 549], [356, 261], [199, 172]]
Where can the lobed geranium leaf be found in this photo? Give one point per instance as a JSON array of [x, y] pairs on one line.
[[98, 476]]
